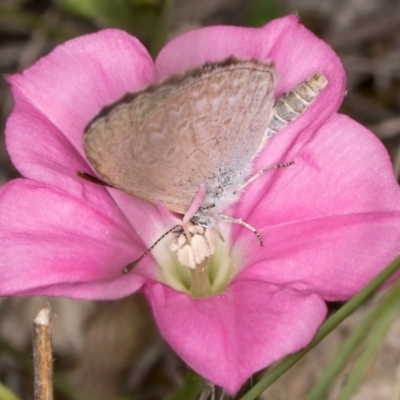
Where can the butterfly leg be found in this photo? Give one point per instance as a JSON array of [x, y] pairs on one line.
[[261, 172], [245, 224], [192, 210], [195, 204]]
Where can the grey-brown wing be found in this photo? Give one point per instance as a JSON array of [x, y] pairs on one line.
[[167, 141]]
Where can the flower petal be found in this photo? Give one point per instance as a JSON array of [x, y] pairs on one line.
[[228, 337], [145, 218], [43, 153], [330, 222], [344, 169], [332, 256], [71, 85], [58, 167], [55, 244]]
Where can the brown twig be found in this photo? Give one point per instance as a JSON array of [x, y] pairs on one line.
[[42, 356]]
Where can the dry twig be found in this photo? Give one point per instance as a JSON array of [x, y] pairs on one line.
[[42, 356]]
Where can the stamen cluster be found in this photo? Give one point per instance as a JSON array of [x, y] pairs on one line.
[[194, 244]]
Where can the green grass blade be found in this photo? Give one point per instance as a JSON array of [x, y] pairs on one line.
[[374, 341], [355, 339]]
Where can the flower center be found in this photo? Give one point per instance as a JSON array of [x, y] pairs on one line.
[[194, 244], [202, 263]]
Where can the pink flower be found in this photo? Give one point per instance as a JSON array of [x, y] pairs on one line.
[[330, 223]]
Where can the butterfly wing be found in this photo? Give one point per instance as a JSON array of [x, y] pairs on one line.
[[204, 126]]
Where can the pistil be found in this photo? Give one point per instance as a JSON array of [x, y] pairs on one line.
[[200, 284]]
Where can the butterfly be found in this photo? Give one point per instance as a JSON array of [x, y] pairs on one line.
[[189, 142]]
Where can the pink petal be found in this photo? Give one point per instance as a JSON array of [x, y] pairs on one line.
[[228, 337], [333, 256], [44, 153], [145, 218], [55, 244], [296, 52], [330, 222], [342, 169], [70, 86], [58, 165]]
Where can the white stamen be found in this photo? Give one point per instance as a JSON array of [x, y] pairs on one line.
[[186, 256], [200, 248], [192, 251], [196, 229], [177, 243], [210, 236]]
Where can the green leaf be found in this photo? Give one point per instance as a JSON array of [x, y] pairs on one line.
[[136, 3], [6, 394], [328, 326], [82, 8], [139, 19], [160, 31], [263, 11], [190, 389]]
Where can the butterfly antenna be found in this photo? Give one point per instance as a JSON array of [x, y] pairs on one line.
[[133, 264], [92, 178]]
